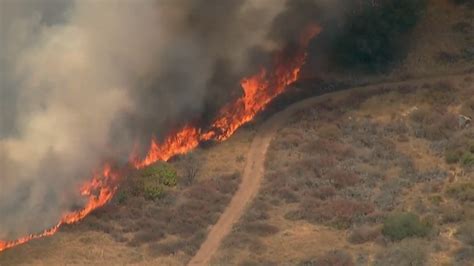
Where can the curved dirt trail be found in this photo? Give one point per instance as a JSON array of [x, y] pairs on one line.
[[248, 188], [254, 168]]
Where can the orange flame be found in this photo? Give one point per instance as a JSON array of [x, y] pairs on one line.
[[181, 142], [98, 191], [258, 91]]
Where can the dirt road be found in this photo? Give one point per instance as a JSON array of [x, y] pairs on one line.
[[251, 179], [254, 169]]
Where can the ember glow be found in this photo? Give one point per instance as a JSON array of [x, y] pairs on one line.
[[258, 91]]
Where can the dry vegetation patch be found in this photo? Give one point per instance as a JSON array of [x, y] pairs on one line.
[[160, 215], [377, 173]]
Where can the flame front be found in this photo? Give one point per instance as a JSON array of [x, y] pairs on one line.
[[180, 142], [98, 191], [258, 91]]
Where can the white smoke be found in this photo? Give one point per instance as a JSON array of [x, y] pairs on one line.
[[71, 69]]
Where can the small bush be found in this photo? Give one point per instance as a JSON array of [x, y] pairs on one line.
[[288, 195], [436, 199], [467, 160], [432, 125], [227, 184], [168, 175], [191, 167], [153, 191], [332, 258], [342, 178], [155, 179], [402, 225], [410, 252], [121, 197], [257, 212], [463, 191], [167, 248], [146, 236], [388, 198], [328, 147], [162, 173], [451, 214], [330, 132], [452, 157], [363, 234], [240, 158], [420, 115], [261, 229], [325, 192], [339, 213], [465, 233], [398, 128]]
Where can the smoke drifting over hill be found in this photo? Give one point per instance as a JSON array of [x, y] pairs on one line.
[[83, 81]]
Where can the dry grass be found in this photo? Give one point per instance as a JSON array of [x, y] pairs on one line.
[[134, 230], [337, 174], [366, 135]]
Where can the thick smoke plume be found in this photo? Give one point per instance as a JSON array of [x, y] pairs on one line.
[[88, 81], [83, 81]]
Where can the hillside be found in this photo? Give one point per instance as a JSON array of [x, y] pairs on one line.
[[379, 173]]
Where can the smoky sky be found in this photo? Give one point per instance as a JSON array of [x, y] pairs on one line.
[[85, 80]]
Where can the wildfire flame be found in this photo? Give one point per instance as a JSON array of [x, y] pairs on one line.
[[258, 91], [98, 192]]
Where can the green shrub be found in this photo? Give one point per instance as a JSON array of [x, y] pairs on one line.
[[402, 225], [121, 197], [168, 175], [155, 179], [375, 37], [153, 191], [467, 159], [162, 173], [463, 191]]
